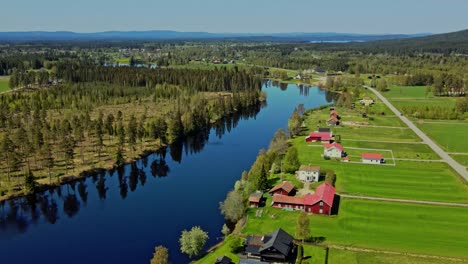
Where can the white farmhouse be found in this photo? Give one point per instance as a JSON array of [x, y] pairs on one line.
[[333, 150], [308, 173]]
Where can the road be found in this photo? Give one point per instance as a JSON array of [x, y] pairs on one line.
[[401, 200], [450, 161]]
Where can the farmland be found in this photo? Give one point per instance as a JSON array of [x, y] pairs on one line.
[[423, 229], [408, 179]]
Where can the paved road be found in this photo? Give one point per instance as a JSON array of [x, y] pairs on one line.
[[450, 161], [401, 200]]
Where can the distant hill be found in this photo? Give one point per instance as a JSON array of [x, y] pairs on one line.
[[454, 42], [176, 35]]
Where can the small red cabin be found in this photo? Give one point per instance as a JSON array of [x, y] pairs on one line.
[[284, 188], [255, 199]]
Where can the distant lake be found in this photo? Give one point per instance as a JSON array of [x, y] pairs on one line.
[[120, 216]]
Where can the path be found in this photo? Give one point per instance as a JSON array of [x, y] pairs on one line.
[[457, 153], [450, 161], [422, 160], [401, 200], [444, 123], [381, 141], [356, 249]]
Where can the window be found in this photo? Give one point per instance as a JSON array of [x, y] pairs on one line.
[[321, 211], [321, 203]]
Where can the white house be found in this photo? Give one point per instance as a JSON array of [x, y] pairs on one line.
[[333, 150], [372, 158], [308, 173]]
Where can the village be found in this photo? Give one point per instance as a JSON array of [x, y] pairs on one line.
[[278, 246]]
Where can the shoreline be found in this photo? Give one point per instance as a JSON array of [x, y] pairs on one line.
[[80, 175]]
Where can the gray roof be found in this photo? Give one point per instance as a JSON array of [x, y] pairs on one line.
[[279, 240], [223, 260]]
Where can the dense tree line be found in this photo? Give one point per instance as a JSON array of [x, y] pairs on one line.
[[51, 130]]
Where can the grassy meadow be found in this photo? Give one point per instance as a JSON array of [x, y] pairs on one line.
[[433, 230], [4, 84], [450, 137], [351, 257]]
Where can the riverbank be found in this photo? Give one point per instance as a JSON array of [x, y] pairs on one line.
[[88, 162]]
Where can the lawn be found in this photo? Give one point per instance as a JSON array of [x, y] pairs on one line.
[[4, 84], [433, 181], [314, 255], [408, 92], [462, 159], [336, 256], [433, 230], [450, 137], [223, 250]]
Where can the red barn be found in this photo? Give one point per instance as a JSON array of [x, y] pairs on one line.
[[324, 137], [284, 188], [321, 202]]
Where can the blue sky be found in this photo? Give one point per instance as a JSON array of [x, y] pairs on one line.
[[253, 16]]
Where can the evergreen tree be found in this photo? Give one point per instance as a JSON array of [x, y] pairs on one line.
[[7, 151], [30, 184]]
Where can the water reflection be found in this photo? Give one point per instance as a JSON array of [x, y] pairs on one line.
[[16, 215]]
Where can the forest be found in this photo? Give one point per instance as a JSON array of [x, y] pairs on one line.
[[79, 106], [101, 117]]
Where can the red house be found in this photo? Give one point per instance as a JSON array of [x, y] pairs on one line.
[[324, 137], [321, 202], [284, 188], [255, 199]]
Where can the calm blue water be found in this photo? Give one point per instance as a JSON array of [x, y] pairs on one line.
[[120, 217]]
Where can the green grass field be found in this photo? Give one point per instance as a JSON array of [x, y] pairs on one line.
[[450, 137], [407, 180], [337, 256], [408, 92], [462, 159], [433, 230], [222, 250], [4, 84]]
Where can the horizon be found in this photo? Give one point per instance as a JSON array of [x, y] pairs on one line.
[[211, 32], [240, 17]]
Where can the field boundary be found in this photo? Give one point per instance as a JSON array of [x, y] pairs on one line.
[[356, 249], [396, 200]]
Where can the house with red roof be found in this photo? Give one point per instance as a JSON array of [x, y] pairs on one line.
[[372, 158], [255, 199], [333, 150], [284, 188], [321, 202], [324, 137]]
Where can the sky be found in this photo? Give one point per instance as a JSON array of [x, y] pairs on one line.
[[237, 16]]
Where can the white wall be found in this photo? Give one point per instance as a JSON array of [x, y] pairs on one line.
[[370, 161], [332, 152], [308, 176]]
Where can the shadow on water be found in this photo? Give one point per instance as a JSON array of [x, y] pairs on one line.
[[16, 215]]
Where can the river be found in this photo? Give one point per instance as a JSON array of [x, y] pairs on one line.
[[120, 216]]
